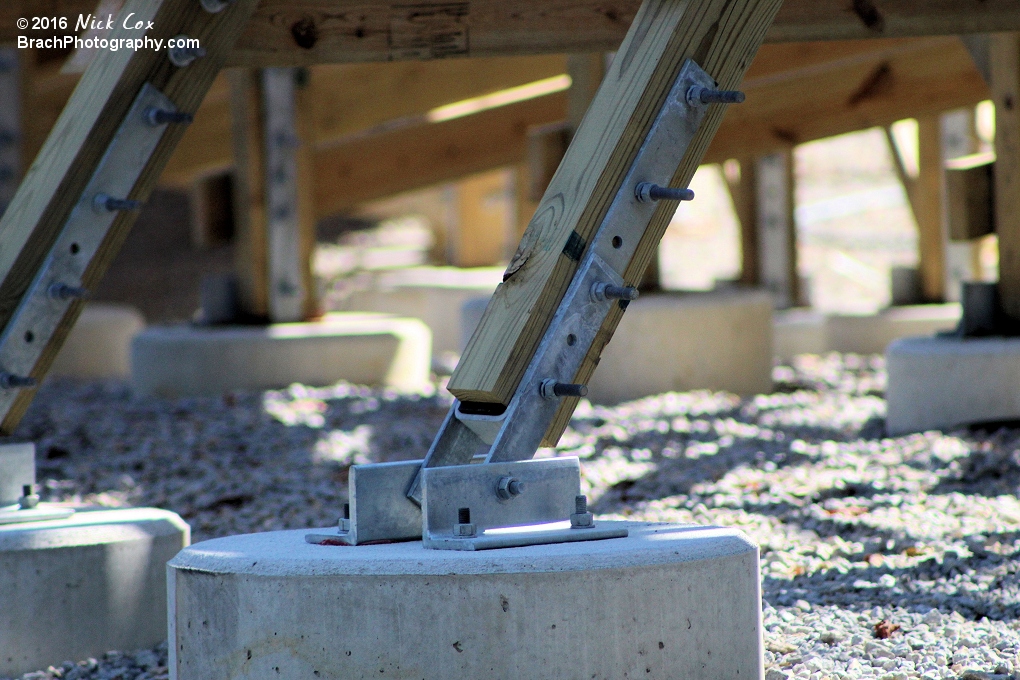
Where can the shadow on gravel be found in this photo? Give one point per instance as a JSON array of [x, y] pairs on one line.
[[993, 470], [984, 585]]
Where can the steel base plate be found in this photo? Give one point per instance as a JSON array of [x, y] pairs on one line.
[[13, 514], [518, 537]]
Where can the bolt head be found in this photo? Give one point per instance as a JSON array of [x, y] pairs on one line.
[[584, 520], [464, 530]]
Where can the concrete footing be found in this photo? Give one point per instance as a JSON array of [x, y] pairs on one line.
[[367, 349], [676, 342], [938, 383], [78, 587], [433, 294], [99, 345], [668, 601], [803, 331]]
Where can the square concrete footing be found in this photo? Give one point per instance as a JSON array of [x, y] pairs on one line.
[[99, 344], [78, 587], [367, 349], [668, 601], [938, 383], [670, 342]]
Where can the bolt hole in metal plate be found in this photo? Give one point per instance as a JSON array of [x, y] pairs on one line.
[[539, 515], [39, 313]]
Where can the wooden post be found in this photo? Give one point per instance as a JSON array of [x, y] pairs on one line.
[[924, 193], [273, 196], [11, 133], [777, 233], [740, 180], [723, 38], [483, 220], [1005, 72]]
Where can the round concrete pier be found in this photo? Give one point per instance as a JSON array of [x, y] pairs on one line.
[[668, 601]]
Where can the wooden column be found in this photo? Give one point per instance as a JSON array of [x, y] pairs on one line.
[[1005, 73], [777, 233], [273, 195], [924, 193], [11, 132], [740, 180]]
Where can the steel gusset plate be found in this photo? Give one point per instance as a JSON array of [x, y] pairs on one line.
[[37, 317]]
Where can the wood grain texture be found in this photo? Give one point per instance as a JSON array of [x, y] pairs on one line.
[[723, 38], [1005, 71], [316, 31], [55, 181], [382, 165], [305, 32], [840, 87]]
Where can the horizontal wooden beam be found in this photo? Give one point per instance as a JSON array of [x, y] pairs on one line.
[[382, 165], [896, 79], [305, 32]]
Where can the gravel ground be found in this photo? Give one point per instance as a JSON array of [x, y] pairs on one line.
[[885, 558]]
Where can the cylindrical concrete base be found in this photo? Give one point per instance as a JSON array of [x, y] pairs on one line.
[[81, 586], [669, 601]]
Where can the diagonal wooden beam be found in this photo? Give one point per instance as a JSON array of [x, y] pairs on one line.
[[722, 37], [54, 184]]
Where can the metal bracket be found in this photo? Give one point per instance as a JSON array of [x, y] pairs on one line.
[[517, 433], [37, 317], [474, 507], [18, 500], [443, 483], [378, 507]]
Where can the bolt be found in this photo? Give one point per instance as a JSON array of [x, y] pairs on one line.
[[697, 94], [646, 192], [155, 116], [463, 528], [345, 520], [28, 499], [549, 388], [182, 56], [215, 6], [600, 292], [62, 291], [110, 204], [9, 381], [509, 487], [581, 518]]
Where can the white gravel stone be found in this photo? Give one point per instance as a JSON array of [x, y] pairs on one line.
[[862, 535]]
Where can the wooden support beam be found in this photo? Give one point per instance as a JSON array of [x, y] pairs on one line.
[[1005, 72], [274, 203], [924, 193], [723, 38], [305, 32], [302, 32], [777, 232], [11, 127], [377, 166], [483, 220], [54, 184], [741, 181], [844, 87]]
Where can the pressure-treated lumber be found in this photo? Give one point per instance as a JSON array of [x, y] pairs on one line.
[[723, 38], [375, 166], [54, 183], [925, 195], [305, 32], [1005, 71], [841, 87], [742, 185], [313, 31]]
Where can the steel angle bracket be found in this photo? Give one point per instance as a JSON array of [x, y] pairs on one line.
[[379, 510], [59, 280], [507, 505], [517, 433]]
